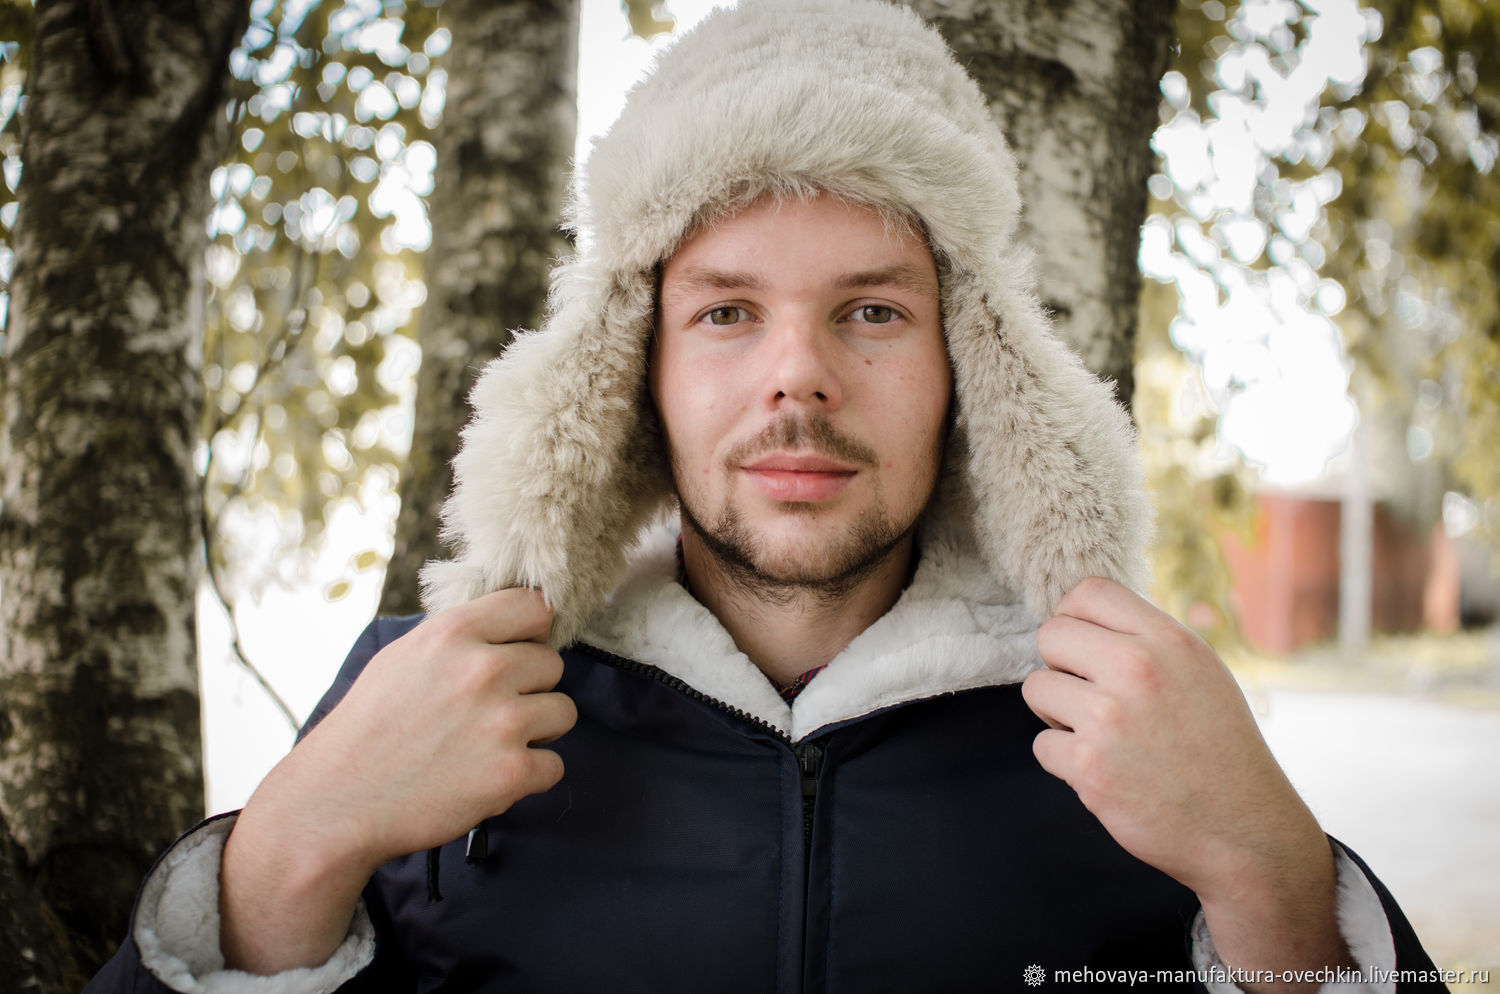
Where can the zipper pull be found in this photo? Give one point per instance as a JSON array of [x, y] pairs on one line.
[[477, 849], [810, 760]]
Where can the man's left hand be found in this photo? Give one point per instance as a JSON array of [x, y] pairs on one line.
[[1152, 732]]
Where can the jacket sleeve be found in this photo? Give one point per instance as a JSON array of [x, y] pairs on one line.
[[173, 943], [1381, 941], [174, 933]]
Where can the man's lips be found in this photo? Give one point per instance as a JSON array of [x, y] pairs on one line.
[[798, 478], [789, 463]]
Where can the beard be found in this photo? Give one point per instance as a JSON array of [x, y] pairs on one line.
[[828, 570]]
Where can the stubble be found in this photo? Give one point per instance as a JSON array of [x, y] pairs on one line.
[[827, 575]]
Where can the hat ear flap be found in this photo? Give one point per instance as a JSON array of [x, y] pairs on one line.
[[562, 462], [1051, 473]]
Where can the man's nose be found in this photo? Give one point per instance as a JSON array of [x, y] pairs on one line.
[[803, 364]]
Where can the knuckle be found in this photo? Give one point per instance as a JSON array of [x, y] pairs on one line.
[[452, 624], [549, 664], [549, 767], [474, 674], [1046, 635], [1137, 663], [1088, 760], [526, 602], [511, 767], [532, 665], [556, 716], [1034, 686], [1089, 588], [503, 719], [512, 598], [1181, 640], [568, 712], [1040, 747], [1110, 716]]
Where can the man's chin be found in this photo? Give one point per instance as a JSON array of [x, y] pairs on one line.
[[798, 549]]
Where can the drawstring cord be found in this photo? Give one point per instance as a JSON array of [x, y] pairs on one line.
[[434, 895]]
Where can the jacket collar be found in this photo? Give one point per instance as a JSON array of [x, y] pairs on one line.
[[954, 628]]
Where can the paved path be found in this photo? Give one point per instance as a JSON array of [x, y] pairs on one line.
[[1413, 785]]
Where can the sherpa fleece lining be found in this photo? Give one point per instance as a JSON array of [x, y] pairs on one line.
[[176, 928], [1362, 924], [954, 628]]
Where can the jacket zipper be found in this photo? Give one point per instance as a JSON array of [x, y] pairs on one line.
[[810, 761], [660, 676], [809, 755]]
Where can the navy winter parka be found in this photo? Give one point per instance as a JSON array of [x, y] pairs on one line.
[[693, 847]]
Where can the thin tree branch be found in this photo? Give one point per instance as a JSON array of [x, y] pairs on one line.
[[234, 628], [279, 348]]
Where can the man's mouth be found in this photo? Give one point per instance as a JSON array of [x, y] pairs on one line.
[[798, 478]]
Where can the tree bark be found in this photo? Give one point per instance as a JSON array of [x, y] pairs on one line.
[[100, 748], [502, 164], [1074, 85]]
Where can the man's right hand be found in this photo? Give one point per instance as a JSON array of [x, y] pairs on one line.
[[438, 733]]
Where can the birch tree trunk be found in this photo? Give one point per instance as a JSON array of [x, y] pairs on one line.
[[503, 151], [1074, 85], [100, 749]]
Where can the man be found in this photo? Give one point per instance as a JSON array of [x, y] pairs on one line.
[[800, 741]]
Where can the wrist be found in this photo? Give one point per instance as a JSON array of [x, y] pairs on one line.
[[1264, 864], [286, 895], [1279, 914]]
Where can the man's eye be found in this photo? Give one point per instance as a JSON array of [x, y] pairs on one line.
[[725, 315], [875, 313]]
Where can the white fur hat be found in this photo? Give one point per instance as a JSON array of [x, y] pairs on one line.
[[562, 465]]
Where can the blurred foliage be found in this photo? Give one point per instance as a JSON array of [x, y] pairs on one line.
[[1374, 204], [1201, 489], [1198, 493], [648, 18], [1357, 187], [1414, 237], [15, 44], [314, 270]]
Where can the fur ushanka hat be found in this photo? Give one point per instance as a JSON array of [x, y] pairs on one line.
[[562, 466]]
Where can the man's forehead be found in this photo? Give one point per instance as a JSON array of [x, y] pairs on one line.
[[693, 277]]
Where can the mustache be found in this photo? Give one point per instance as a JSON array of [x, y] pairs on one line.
[[795, 431]]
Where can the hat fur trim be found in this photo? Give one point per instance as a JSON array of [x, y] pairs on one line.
[[562, 465]]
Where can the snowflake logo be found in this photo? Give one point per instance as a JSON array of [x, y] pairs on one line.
[[1034, 975]]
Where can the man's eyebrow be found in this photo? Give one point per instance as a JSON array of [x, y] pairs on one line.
[[698, 278], [903, 276]]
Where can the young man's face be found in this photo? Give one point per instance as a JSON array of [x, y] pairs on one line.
[[801, 375]]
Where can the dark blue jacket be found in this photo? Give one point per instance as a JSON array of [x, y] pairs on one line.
[[690, 847]]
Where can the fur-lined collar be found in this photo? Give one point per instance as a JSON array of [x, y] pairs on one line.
[[954, 628]]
